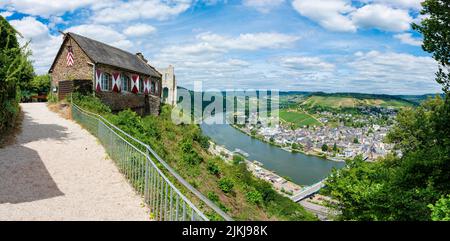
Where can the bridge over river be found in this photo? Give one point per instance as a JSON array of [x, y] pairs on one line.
[[308, 191]]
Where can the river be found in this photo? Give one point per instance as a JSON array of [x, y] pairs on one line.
[[301, 168]]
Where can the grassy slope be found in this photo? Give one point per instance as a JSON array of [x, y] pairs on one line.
[[352, 102], [167, 140]]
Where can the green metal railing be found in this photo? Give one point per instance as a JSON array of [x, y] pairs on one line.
[[165, 201]]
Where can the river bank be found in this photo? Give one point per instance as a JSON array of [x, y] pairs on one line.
[[279, 183], [289, 149]]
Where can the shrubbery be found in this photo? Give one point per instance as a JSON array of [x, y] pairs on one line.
[[226, 184], [15, 69], [90, 103]]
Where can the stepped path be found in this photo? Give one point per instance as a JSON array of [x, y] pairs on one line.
[[58, 171]]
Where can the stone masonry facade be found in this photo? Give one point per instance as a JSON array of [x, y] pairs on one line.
[[83, 69]]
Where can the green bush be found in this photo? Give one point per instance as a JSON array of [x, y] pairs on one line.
[[226, 185], [238, 159], [213, 168], [213, 197], [254, 197], [190, 156], [90, 103], [52, 97]]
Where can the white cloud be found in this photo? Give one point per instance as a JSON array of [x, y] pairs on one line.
[[6, 14], [249, 41], [263, 6], [140, 9], [382, 17], [407, 38], [139, 30], [43, 45], [406, 4], [44, 8], [306, 63], [208, 58], [103, 34], [391, 72], [330, 14], [341, 15]]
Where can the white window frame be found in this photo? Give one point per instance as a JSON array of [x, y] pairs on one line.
[[105, 82], [125, 80]]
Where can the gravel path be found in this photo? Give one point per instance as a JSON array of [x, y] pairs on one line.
[[58, 171]]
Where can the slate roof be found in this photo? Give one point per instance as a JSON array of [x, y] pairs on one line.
[[105, 54]]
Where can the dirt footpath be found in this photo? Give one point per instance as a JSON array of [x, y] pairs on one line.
[[58, 171]]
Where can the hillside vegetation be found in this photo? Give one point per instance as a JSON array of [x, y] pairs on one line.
[[337, 102], [15, 70], [231, 186]]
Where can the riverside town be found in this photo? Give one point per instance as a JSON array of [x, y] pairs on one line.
[[217, 114]]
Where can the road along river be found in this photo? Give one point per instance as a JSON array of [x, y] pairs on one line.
[[300, 168]]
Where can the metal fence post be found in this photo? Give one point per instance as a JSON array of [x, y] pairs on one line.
[[146, 176]]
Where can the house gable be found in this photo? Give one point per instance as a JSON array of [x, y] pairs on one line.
[[82, 69]]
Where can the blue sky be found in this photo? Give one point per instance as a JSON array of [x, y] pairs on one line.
[[306, 45]]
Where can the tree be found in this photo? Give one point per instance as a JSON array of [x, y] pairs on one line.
[[324, 147], [15, 68], [335, 148], [409, 187], [436, 32]]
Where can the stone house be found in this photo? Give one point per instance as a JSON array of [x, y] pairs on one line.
[[120, 79]]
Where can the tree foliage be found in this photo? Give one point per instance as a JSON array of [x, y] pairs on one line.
[[436, 32], [409, 186], [15, 69], [441, 210]]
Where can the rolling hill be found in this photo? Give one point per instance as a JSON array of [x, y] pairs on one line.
[[351, 100]]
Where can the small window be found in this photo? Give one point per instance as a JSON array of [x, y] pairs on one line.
[[153, 87], [126, 82], [106, 82]]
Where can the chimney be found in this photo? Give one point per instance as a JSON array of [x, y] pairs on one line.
[[141, 57]]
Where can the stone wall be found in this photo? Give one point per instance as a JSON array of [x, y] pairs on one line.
[[81, 68], [127, 100], [136, 102]]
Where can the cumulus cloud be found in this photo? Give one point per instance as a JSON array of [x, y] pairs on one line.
[[406, 4], [330, 14], [263, 6], [45, 8], [43, 45], [407, 38], [108, 35], [394, 72], [341, 15], [206, 59], [6, 14], [306, 63], [382, 17], [139, 30], [140, 9], [249, 41]]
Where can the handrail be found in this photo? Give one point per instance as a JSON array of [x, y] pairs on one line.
[[180, 179]]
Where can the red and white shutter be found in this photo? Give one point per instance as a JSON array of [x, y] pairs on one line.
[[135, 84], [98, 78], [116, 82], [146, 86]]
